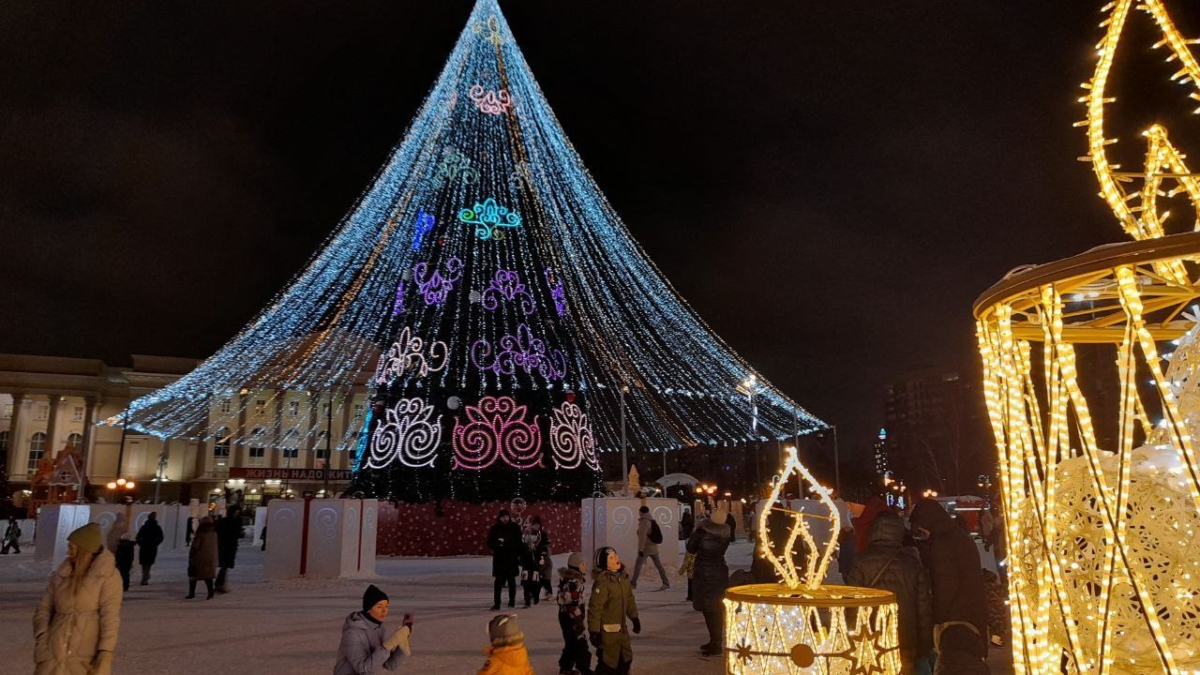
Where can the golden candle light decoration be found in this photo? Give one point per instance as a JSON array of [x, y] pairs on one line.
[[1099, 476], [802, 627]]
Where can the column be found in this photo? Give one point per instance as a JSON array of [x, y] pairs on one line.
[[89, 422], [55, 403], [337, 459], [311, 445], [18, 445], [237, 449]]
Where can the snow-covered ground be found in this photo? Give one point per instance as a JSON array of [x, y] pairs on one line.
[[292, 627], [281, 628]]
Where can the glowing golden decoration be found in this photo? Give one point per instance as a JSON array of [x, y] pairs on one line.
[[1103, 495], [801, 627]]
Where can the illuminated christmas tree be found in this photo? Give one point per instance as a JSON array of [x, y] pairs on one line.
[[502, 307]]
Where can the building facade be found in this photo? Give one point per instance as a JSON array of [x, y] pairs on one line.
[[47, 403]]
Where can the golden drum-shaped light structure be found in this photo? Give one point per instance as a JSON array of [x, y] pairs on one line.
[[1099, 475]]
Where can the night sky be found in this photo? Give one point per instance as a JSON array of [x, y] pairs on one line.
[[830, 184]]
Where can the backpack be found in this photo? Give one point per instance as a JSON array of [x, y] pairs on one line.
[[655, 535]]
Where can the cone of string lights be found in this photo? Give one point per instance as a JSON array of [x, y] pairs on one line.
[[801, 626], [491, 302], [1088, 374]]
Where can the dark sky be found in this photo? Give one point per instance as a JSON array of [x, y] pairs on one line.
[[830, 184]]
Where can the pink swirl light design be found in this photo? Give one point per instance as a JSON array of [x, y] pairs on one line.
[[507, 286], [409, 435], [520, 351], [571, 438], [435, 285], [496, 429], [490, 102]]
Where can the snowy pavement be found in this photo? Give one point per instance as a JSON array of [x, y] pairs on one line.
[[292, 627]]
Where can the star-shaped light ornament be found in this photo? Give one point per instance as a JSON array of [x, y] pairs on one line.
[[802, 626]]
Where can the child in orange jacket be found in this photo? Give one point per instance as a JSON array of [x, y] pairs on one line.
[[507, 655]]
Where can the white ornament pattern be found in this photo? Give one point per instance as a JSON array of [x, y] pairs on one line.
[[571, 438], [409, 354], [409, 435]]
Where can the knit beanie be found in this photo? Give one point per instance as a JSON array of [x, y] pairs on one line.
[[601, 562], [575, 560], [87, 538], [373, 597], [503, 630]]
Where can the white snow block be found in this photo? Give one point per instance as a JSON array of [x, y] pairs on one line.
[[321, 538], [612, 521], [54, 523]]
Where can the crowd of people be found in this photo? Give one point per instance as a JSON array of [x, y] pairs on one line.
[[931, 565]]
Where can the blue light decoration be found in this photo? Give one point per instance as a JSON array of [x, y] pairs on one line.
[[347, 329], [425, 224]]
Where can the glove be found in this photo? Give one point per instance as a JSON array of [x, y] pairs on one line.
[[595, 639], [637, 625], [102, 663], [399, 640]]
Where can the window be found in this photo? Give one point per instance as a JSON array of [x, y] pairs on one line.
[[37, 447], [291, 441], [294, 408], [43, 412], [260, 406], [221, 446], [322, 453], [291, 453], [226, 406], [257, 455], [77, 415], [76, 441]]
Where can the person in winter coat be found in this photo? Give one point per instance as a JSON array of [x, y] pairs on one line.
[[886, 565], [364, 650], [862, 522], [648, 548], [229, 533], [507, 654], [149, 538], [202, 557], [12, 536], [686, 523], [116, 532], [505, 541], [710, 576], [611, 604], [959, 605], [572, 608], [124, 560], [75, 625], [535, 561]]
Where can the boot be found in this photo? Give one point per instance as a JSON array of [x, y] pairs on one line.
[[145, 575], [191, 590], [712, 620], [208, 583]]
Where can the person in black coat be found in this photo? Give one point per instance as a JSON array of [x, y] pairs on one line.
[[149, 538], [505, 541], [229, 533], [886, 565], [959, 602], [710, 576]]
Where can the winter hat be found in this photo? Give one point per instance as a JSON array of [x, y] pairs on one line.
[[503, 512], [373, 597], [718, 516], [644, 509], [503, 630], [87, 538], [601, 561], [575, 560]]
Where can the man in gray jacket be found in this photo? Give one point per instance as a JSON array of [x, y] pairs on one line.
[[363, 650], [648, 547]]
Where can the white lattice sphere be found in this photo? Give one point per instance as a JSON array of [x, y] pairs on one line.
[[771, 629], [1159, 540]]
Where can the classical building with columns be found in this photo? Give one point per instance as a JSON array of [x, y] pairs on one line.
[[49, 402]]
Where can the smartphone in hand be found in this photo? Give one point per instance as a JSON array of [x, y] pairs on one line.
[[408, 621]]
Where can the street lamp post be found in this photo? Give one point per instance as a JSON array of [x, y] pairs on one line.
[[162, 465]]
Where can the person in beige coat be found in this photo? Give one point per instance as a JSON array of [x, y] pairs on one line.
[[75, 625]]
